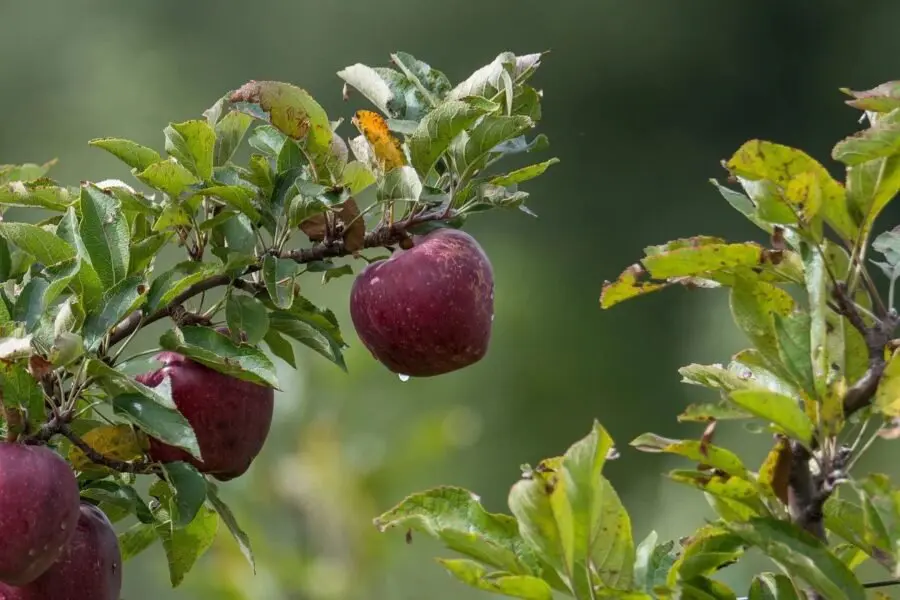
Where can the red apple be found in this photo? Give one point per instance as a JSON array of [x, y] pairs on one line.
[[90, 567], [230, 417], [427, 310], [38, 510]]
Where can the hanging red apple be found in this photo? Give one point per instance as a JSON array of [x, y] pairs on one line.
[[427, 310], [230, 417]]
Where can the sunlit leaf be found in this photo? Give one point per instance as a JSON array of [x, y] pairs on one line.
[[455, 517], [514, 586], [801, 555], [131, 153]]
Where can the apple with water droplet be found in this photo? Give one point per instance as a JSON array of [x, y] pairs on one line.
[[427, 310], [230, 417], [89, 568], [38, 510]]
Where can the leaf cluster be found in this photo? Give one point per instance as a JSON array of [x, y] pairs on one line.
[[259, 192], [820, 377]]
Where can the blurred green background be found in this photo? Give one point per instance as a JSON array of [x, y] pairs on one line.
[[643, 98]]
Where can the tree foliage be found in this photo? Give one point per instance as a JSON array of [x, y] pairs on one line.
[[819, 376], [261, 193]]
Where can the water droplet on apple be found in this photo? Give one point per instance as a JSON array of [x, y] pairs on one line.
[[492, 317], [403, 377]]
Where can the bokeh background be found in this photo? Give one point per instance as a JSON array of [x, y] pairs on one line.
[[643, 98]]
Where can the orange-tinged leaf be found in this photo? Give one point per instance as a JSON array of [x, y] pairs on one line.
[[385, 146]]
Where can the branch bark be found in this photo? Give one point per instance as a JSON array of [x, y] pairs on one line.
[[382, 237]]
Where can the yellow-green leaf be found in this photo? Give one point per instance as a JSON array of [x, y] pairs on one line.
[[120, 442], [714, 456], [506, 584], [887, 397], [782, 411], [761, 160]]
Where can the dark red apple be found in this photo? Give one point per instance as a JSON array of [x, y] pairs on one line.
[[38, 510], [427, 310], [90, 567], [230, 417]]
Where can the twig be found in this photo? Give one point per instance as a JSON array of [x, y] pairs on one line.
[[138, 466], [386, 236]]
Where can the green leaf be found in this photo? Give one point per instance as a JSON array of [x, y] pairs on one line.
[[115, 382], [760, 160], [878, 141], [514, 586], [524, 174], [280, 347], [193, 144], [794, 348], [278, 275], [455, 517], [136, 539], [753, 306], [709, 550], [357, 176], [602, 527], [400, 185], [768, 586], [168, 176], [487, 80], [173, 215], [114, 493], [120, 301], [169, 285], [848, 520], [290, 157], [652, 563], [302, 208], [714, 456], [247, 315], [801, 555], [239, 235], [30, 304], [183, 546], [43, 245], [21, 390], [783, 411], [104, 231], [370, 84], [163, 423], [887, 396], [433, 84], [310, 329], [540, 504], [231, 523], [35, 194], [882, 98], [131, 153], [230, 131], [469, 150], [729, 488], [267, 140], [190, 491], [215, 350], [143, 252], [439, 127], [236, 196], [61, 275]]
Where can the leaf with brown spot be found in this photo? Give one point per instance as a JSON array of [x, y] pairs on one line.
[[793, 172], [775, 471], [354, 226]]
